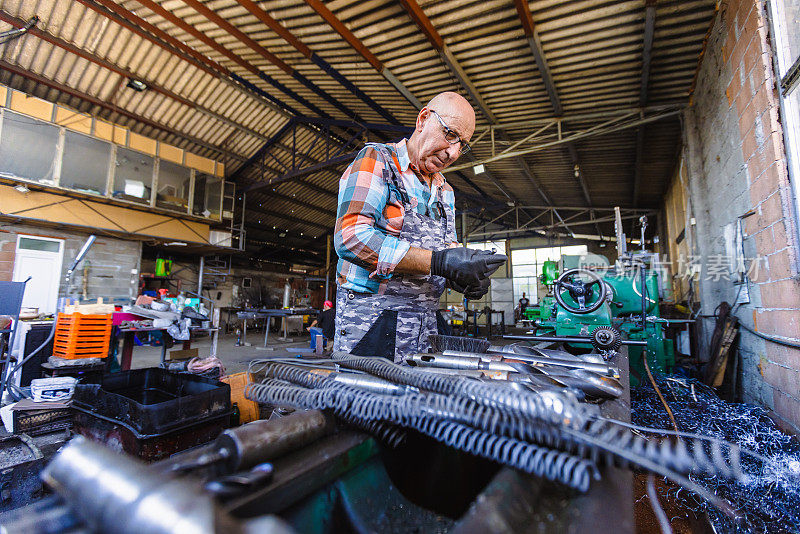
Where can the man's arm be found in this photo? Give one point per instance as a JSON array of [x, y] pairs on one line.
[[363, 197], [416, 261]]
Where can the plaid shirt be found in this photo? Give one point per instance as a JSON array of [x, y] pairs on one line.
[[370, 216]]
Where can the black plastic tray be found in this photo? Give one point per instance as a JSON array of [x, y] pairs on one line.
[[154, 401]]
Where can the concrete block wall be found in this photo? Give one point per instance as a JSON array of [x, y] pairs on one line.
[[111, 262], [737, 164]]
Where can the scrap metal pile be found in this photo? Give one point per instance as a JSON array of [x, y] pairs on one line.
[[540, 430], [767, 497]]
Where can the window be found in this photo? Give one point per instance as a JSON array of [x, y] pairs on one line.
[[28, 148], [133, 176], [85, 164], [207, 196], [42, 245], [499, 246], [173, 186], [785, 16], [526, 266]]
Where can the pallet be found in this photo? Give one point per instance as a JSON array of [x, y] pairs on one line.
[[97, 308]]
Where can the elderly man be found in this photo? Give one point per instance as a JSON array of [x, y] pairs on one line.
[[396, 240]]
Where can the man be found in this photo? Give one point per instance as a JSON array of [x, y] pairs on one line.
[[523, 305], [396, 240], [326, 321]]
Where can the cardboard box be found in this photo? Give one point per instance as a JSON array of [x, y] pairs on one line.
[[181, 354]]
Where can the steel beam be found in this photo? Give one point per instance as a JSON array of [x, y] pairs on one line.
[[596, 131], [328, 16], [647, 52], [151, 85], [292, 200], [289, 218], [137, 25], [377, 127], [114, 109], [532, 35], [287, 36], [259, 154], [202, 37]]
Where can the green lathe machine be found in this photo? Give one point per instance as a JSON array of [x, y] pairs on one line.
[[607, 305]]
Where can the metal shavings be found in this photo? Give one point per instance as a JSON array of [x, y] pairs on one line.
[[768, 499]]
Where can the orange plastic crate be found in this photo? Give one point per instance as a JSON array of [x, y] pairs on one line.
[[82, 336]]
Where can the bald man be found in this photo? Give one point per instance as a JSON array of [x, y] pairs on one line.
[[396, 239]]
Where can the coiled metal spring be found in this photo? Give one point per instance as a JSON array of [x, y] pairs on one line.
[[461, 409], [444, 384], [552, 407], [423, 416], [293, 374], [714, 458], [546, 463], [387, 433]]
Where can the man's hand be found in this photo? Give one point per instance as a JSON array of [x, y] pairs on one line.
[[465, 266], [473, 292]]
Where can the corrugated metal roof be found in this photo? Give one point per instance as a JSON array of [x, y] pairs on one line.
[[593, 49]]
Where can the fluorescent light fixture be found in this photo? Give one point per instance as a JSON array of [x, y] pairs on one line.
[[136, 85], [175, 244], [479, 168], [22, 189]]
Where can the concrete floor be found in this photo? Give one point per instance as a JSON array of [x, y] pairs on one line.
[[235, 359]]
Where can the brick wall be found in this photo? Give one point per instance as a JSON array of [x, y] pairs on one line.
[[110, 261], [737, 164]]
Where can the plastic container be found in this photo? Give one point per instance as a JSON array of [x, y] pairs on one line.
[[59, 388], [152, 413], [82, 336]]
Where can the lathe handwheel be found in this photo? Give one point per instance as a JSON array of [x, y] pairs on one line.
[[579, 291]]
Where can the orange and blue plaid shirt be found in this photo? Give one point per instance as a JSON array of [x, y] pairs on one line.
[[370, 216]]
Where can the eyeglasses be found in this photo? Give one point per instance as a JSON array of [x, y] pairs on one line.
[[451, 137]]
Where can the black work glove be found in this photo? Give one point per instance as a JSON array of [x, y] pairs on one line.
[[472, 292], [465, 266]]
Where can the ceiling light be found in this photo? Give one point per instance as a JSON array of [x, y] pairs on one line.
[[479, 169], [577, 170], [22, 189], [175, 244], [136, 85]]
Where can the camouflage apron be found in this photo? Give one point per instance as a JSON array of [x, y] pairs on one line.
[[397, 322]]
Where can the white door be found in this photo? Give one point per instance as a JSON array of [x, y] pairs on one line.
[[40, 258]]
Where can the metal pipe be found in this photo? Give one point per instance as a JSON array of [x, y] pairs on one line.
[[113, 492], [81, 254], [200, 276], [538, 362], [372, 384], [263, 440], [567, 339]]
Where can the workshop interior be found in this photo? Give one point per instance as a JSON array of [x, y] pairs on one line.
[[451, 266]]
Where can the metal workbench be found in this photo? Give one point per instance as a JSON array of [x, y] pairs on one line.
[[268, 314]]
